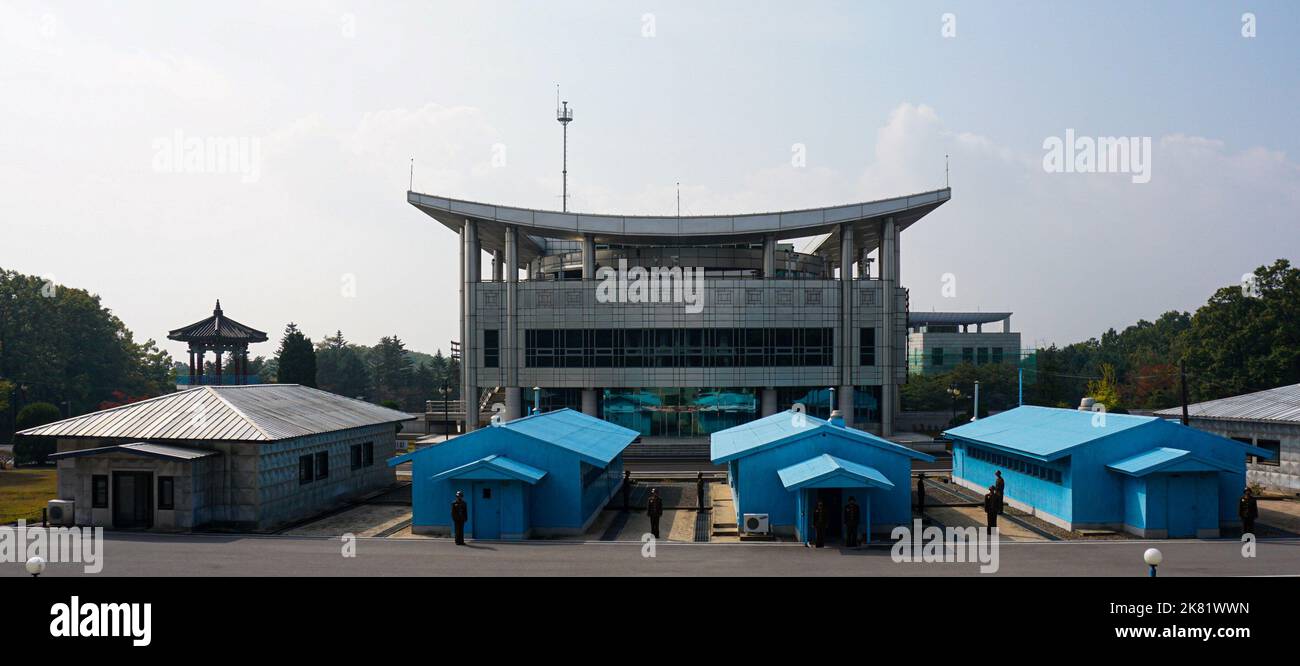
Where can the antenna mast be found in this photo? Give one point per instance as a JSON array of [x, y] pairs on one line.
[[679, 199], [565, 115]]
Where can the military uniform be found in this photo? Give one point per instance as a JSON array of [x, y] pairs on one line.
[[852, 515], [819, 524], [1248, 511], [627, 488], [654, 509], [699, 490], [459, 514], [992, 507]]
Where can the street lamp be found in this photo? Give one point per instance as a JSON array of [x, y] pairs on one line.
[[831, 407], [537, 400], [1153, 558], [446, 425], [35, 565]]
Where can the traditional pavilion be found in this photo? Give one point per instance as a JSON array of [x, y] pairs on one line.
[[219, 334]]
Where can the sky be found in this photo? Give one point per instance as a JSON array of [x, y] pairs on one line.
[[752, 106]]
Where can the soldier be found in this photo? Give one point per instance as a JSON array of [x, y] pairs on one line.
[[654, 509], [459, 514], [627, 489], [852, 514], [920, 494], [1000, 485], [819, 524], [1248, 511], [992, 506], [699, 489]]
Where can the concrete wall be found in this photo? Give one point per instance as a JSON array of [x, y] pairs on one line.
[[1282, 477], [282, 499]]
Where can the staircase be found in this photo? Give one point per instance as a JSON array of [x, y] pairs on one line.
[[668, 449]]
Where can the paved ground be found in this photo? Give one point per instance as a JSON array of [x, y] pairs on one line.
[[139, 554]]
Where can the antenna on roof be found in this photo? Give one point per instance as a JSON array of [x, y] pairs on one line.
[[565, 115], [945, 171], [411, 186], [679, 198]]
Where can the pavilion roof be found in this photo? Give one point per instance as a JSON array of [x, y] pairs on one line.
[[217, 328]]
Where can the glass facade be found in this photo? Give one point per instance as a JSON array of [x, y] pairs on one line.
[[679, 412], [678, 347]]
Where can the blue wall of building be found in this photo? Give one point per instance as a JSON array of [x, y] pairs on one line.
[[758, 489], [1049, 496]]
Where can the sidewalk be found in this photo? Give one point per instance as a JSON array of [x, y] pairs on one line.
[[1280, 514], [969, 516]]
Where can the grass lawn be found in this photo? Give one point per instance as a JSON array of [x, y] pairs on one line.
[[23, 493]]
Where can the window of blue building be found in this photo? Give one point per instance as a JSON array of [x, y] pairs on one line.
[[1012, 463]]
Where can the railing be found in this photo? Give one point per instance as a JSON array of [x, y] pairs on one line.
[[212, 380]]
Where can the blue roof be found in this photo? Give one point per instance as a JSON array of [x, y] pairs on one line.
[[1045, 432], [827, 471], [493, 467], [596, 441], [1167, 459], [787, 426]]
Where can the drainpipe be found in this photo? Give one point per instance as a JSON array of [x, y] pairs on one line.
[[976, 415]]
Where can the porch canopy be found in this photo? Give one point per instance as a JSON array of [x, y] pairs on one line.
[[828, 471], [145, 449], [1168, 460], [493, 468]]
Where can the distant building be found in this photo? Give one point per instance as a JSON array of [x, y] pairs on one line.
[[241, 457], [1268, 419], [542, 475], [1090, 470], [780, 466], [938, 341]]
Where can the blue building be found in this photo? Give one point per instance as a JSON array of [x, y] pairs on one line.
[[781, 465], [541, 475], [1090, 470]]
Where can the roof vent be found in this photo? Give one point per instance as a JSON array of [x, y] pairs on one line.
[[1086, 404], [836, 418]]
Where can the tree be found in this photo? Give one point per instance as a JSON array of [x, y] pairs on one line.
[[35, 449], [340, 367], [1105, 390], [391, 369], [296, 358]]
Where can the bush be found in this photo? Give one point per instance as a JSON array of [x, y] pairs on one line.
[[34, 449]]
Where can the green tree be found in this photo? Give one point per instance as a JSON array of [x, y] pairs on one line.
[[35, 449], [340, 367], [296, 358], [391, 369]]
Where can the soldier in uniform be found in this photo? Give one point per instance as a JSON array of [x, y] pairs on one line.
[[654, 509], [819, 524], [992, 506], [1248, 511], [852, 515], [627, 489], [699, 489], [1000, 486], [459, 514], [920, 494]]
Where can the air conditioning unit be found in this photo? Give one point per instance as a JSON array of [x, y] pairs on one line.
[[60, 512], [756, 523]]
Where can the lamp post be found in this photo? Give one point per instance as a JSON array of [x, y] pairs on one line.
[[1153, 559], [446, 426], [35, 566], [831, 407], [537, 400]]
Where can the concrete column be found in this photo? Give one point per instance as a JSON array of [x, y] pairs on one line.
[[889, 303], [510, 355], [469, 339], [847, 335], [844, 396], [589, 402], [769, 256], [588, 257], [769, 405], [1006, 324], [498, 265]]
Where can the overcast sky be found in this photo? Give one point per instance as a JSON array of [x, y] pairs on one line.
[[327, 102]]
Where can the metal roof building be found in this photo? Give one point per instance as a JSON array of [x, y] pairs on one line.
[[544, 474], [248, 457], [1268, 419], [1091, 470]]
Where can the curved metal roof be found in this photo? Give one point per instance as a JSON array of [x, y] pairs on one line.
[[954, 318], [669, 230], [217, 328]]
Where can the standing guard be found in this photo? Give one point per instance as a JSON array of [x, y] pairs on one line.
[[459, 514], [1248, 511], [654, 509], [852, 515], [819, 524]]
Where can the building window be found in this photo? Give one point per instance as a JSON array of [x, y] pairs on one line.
[[982, 355], [1274, 447], [368, 454], [967, 354], [867, 346], [304, 470], [99, 491], [322, 465], [678, 347], [166, 492], [491, 348], [356, 456], [997, 355], [936, 356]]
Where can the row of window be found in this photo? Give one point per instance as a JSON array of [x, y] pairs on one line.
[[99, 492], [671, 347], [316, 466], [1273, 446], [972, 355], [1014, 464]]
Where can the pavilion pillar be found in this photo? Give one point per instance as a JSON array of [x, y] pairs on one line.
[[218, 361]]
